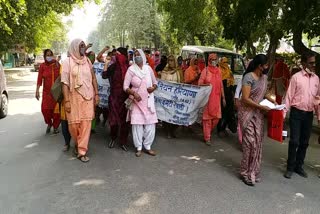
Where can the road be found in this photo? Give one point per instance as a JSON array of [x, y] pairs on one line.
[[186, 177]]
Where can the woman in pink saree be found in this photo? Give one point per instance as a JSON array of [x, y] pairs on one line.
[[251, 118]]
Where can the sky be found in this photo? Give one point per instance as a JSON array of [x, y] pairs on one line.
[[84, 20]]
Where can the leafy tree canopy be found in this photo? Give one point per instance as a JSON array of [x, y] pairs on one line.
[[34, 23]]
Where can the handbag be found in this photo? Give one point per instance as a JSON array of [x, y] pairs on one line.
[[56, 90], [275, 125], [128, 102]]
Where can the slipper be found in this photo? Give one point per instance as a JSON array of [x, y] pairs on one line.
[[151, 152], [66, 148], [83, 158], [138, 154], [247, 181], [208, 143], [75, 151]]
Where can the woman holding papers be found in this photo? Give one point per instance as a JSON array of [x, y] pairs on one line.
[[251, 118]]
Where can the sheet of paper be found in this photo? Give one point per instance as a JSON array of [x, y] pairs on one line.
[[269, 104]]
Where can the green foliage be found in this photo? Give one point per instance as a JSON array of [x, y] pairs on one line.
[[34, 23], [193, 22], [249, 21], [133, 23]]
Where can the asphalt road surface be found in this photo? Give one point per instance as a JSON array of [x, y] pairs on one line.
[[185, 177]]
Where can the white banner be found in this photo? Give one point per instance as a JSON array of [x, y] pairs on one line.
[[180, 104], [103, 85]]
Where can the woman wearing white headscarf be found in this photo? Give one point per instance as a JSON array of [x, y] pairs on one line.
[[142, 113], [80, 93]]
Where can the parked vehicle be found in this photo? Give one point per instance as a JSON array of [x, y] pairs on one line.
[[38, 60], [3, 93], [201, 52]]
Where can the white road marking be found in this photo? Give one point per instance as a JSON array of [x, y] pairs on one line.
[[89, 182], [31, 145]]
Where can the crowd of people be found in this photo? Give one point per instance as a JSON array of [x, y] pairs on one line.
[[131, 76]]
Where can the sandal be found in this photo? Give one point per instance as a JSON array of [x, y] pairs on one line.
[[138, 154], [247, 181], [111, 144], [66, 148], [208, 143], [75, 151], [151, 152], [83, 158]]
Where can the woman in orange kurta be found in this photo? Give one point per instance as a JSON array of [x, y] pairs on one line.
[[192, 74], [80, 93], [48, 73], [211, 75]]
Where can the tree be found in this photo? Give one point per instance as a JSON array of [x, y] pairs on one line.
[[302, 16], [193, 22], [134, 22], [34, 23]]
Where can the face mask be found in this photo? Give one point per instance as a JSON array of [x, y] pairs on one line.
[[214, 62], [265, 71], [49, 58], [138, 59], [92, 58], [82, 51], [308, 71]]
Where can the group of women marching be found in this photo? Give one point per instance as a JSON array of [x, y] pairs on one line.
[[131, 100]]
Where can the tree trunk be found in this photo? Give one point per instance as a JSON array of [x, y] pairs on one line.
[[251, 50], [271, 53], [298, 45], [300, 48]]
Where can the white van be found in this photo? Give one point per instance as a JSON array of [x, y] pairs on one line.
[[202, 52]]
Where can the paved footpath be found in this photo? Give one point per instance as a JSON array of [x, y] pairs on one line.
[[186, 177]]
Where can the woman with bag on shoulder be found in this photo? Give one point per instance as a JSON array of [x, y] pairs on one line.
[[80, 92], [142, 112], [48, 73], [211, 75]]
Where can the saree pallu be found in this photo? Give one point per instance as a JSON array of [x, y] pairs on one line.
[[252, 125]]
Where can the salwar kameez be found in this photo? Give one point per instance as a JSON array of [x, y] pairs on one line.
[[143, 135], [171, 74], [212, 112], [142, 115], [77, 75], [48, 73], [117, 109], [80, 121]]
